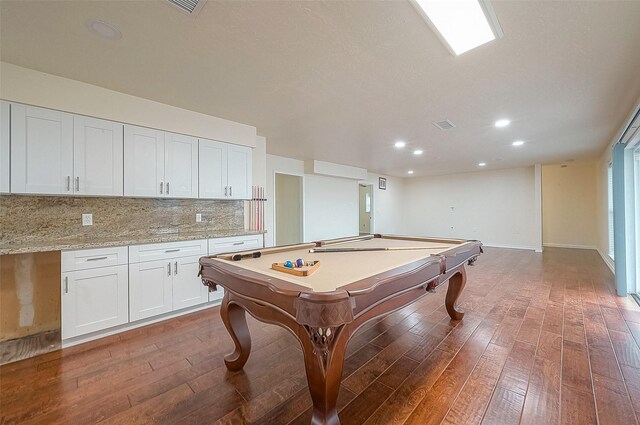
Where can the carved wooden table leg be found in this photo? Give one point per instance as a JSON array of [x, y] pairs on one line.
[[324, 350], [234, 318], [456, 285]]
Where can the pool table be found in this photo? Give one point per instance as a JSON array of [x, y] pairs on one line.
[[358, 280]]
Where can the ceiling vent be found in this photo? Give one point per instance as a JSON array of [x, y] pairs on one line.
[[190, 7], [444, 125]]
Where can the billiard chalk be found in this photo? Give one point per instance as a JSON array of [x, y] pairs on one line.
[[310, 264], [288, 264], [299, 262]]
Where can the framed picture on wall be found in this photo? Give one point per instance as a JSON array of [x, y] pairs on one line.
[[382, 183]]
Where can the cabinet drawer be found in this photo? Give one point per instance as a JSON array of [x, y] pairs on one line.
[[167, 251], [94, 258], [235, 243]]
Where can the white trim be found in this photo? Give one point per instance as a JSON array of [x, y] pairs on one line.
[[496, 245], [137, 324], [566, 245], [608, 261]]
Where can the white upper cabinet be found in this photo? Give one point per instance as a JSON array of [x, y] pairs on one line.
[[181, 166], [143, 162], [225, 170], [213, 169], [41, 151], [159, 164], [239, 171], [4, 147], [98, 161]]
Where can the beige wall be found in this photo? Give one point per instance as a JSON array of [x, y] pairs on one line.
[[288, 209], [569, 217], [31, 87]]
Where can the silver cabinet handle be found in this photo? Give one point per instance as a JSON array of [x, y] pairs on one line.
[[68, 183], [167, 188], [77, 184], [175, 268], [225, 190], [97, 258], [172, 250], [161, 187], [66, 284], [169, 268], [238, 243], [230, 190]]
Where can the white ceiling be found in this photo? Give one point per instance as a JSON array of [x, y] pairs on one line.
[[340, 81]]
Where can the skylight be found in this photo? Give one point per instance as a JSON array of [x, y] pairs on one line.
[[462, 24]]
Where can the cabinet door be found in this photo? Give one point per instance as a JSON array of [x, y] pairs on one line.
[[239, 171], [97, 157], [41, 151], [4, 147], [181, 166], [93, 300], [212, 169], [143, 162], [188, 289], [150, 289]]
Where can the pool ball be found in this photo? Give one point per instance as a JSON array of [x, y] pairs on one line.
[[288, 264], [299, 262]]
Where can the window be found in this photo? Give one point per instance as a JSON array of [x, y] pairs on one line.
[[610, 209], [636, 184]]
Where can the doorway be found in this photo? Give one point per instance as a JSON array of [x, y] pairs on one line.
[[365, 208], [288, 209]]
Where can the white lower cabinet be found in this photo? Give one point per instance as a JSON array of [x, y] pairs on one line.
[[188, 289], [232, 244], [150, 289], [94, 297], [169, 282]]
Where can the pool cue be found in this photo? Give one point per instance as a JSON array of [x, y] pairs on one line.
[[398, 248]]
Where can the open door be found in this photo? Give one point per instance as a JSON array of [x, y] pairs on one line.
[[288, 209], [366, 208]]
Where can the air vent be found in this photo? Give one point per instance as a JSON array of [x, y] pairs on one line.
[[190, 7], [444, 125]]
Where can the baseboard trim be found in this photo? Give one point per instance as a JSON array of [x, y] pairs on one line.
[[564, 245], [496, 245], [137, 324], [608, 261]]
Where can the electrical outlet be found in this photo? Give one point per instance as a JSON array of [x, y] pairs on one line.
[[87, 219], [198, 218]]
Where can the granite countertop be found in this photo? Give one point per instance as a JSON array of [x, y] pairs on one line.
[[35, 245]]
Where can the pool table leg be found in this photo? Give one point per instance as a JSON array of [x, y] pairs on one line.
[[235, 320], [323, 360], [456, 285]]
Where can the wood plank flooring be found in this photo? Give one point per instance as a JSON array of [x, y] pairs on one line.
[[544, 341]]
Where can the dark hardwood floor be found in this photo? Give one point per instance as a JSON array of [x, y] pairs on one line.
[[544, 341]]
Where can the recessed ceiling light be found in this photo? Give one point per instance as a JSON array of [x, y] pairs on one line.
[[482, 164], [518, 143], [502, 123], [417, 152], [410, 172], [399, 144], [462, 25], [103, 29]]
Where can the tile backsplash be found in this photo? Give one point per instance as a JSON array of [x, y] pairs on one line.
[[26, 218]]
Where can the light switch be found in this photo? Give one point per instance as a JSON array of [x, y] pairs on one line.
[[198, 218]]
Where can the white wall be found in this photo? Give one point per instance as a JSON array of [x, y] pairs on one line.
[[49, 91], [331, 207], [387, 204], [495, 207], [330, 204], [569, 205]]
